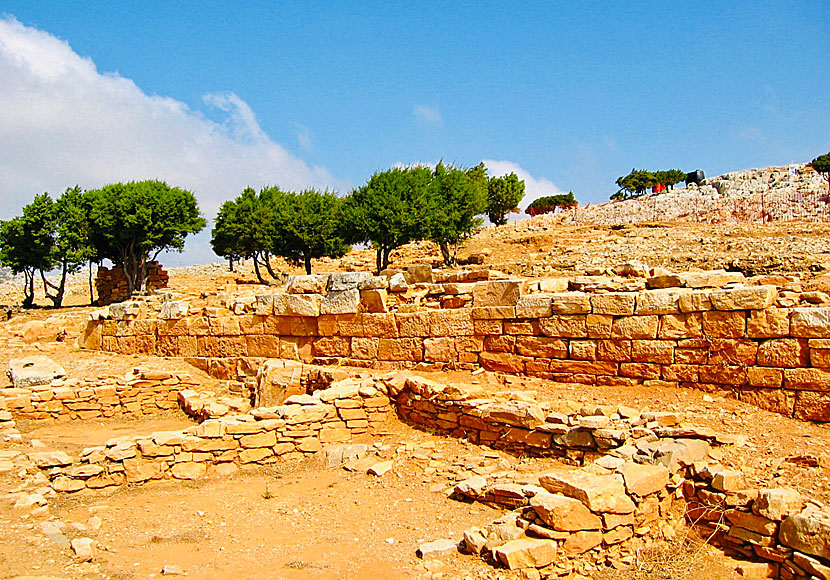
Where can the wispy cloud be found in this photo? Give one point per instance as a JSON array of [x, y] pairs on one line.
[[429, 115], [304, 137], [62, 122]]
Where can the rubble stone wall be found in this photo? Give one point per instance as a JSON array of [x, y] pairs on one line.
[[746, 341], [111, 283], [145, 392]]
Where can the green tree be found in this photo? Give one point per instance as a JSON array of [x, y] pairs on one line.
[[131, 223], [670, 178], [822, 165], [71, 247], [458, 198], [549, 203], [635, 183], [308, 225], [503, 196], [390, 210]]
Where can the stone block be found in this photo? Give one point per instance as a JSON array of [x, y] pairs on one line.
[[711, 278], [614, 303], [658, 302], [541, 347], [778, 503], [695, 301], [307, 284], [419, 274], [571, 303], [564, 514], [807, 379], [581, 542], [768, 323], [497, 293], [599, 493], [440, 349], [721, 324], [808, 532], [373, 300], [450, 323], [526, 553], [765, 377], [674, 326], [565, 326], [635, 327], [493, 312], [336, 346], [33, 371], [744, 298], [364, 348], [341, 301], [810, 322], [652, 351], [412, 324], [583, 349], [401, 349], [613, 350], [784, 352], [812, 406], [346, 281], [534, 306], [501, 362], [643, 480]]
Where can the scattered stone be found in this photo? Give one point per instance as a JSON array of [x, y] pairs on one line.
[[84, 549], [438, 549]]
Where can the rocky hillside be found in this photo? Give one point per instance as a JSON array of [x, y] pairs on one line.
[[794, 192]]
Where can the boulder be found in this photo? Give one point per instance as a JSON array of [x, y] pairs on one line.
[[526, 553], [599, 493], [778, 503], [808, 532], [34, 370], [643, 480], [564, 514]]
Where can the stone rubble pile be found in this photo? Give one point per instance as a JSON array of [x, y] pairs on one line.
[[761, 195]]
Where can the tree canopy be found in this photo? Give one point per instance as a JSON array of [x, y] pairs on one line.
[[550, 203], [131, 223], [639, 181], [822, 165], [390, 210], [309, 225], [503, 196], [458, 198]]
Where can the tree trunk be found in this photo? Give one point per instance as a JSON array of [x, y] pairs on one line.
[[28, 289], [445, 253], [267, 259], [307, 260], [258, 273], [386, 252], [379, 260], [91, 289], [230, 262]]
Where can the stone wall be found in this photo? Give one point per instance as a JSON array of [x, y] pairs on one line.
[[635, 467], [767, 347], [143, 392], [111, 283]]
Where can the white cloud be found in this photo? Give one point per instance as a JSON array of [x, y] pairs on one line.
[[425, 114], [534, 187], [62, 122]]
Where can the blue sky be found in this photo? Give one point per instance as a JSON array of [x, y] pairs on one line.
[[214, 96]]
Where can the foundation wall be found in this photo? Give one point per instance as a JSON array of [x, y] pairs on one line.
[[747, 341]]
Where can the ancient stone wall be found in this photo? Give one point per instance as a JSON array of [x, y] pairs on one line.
[[111, 283], [767, 347], [144, 392]]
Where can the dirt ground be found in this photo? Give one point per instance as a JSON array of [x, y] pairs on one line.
[[306, 520]]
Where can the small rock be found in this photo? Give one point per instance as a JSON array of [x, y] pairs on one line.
[[171, 570], [84, 549], [437, 549]]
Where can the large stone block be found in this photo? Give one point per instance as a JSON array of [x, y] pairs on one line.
[[501, 362], [401, 349], [565, 326], [695, 301], [309, 284], [719, 324], [613, 350], [768, 323], [635, 327], [689, 325], [412, 324], [341, 301], [534, 306], [440, 349], [812, 406], [614, 303], [653, 351], [810, 323], [571, 303], [643, 480], [564, 514], [808, 532], [301, 305], [778, 503], [599, 493], [450, 323], [526, 553], [379, 324], [711, 278], [344, 281], [784, 352], [33, 371], [373, 300], [746, 298], [497, 293], [336, 346], [658, 302], [541, 347], [807, 379]]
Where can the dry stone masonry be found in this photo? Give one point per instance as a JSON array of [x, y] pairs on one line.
[[111, 283], [760, 340]]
